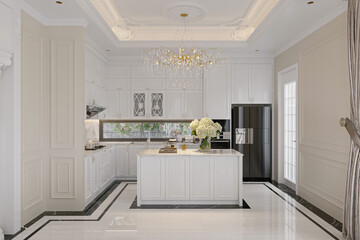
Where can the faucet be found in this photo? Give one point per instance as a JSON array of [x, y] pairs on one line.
[[148, 140]]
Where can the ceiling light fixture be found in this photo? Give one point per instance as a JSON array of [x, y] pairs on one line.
[[182, 61], [310, 2], [59, 2]]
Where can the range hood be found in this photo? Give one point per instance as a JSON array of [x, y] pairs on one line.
[[92, 110]]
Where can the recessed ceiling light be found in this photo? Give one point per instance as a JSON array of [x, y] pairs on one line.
[[59, 2], [310, 2], [107, 50], [257, 50]]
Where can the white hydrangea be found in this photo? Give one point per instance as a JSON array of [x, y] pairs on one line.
[[205, 128], [218, 127], [194, 124]]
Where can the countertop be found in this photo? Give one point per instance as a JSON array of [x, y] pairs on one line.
[[192, 152], [111, 144]]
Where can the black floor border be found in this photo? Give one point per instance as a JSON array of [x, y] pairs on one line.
[[79, 220], [304, 214]]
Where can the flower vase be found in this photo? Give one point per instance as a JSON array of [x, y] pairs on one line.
[[205, 145]]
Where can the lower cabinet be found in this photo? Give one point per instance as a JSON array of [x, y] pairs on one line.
[[178, 178], [126, 160], [99, 172], [133, 151], [201, 179], [153, 178]]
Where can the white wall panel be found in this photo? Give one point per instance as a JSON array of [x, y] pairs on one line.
[[63, 177], [62, 93], [32, 182]]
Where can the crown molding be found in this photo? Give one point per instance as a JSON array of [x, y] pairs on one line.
[[328, 18], [95, 49], [98, 20], [50, 21]]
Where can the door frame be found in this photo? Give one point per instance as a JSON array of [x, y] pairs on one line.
[[280, 129]]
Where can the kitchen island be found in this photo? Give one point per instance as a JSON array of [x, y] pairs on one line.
[[189, 177]]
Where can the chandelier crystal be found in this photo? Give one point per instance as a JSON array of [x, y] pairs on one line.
[[181, 61]]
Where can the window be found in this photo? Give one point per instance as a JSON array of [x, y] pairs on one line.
[[117, 130]]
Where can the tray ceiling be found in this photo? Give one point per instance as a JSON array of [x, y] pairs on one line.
[[160, 20]]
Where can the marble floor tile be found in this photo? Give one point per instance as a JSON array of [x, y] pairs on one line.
[[273, 215]]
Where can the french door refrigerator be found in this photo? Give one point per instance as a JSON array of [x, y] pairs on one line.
[[251, 135]]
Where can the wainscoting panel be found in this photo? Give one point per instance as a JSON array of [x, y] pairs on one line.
[[63, 177], [32, 182], [31, 91], [323, 100], [62, 94]]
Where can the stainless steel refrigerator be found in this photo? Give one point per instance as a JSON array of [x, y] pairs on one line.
[[251, 135]]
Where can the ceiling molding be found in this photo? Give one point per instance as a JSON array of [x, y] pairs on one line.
[[328, 18], [268, 20], [126, 31], [51, 21], [173, 44]]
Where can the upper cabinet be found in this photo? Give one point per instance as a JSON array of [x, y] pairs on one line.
[[147, 104], [252, 83], [217, 92]]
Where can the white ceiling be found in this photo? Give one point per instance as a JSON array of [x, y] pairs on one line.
[[288, 22]]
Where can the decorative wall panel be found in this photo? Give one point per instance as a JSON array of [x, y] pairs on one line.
[[32, 182], [63, 177], [62, 94], [31, 92]]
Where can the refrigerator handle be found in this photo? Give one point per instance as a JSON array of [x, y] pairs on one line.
[[244, 135]]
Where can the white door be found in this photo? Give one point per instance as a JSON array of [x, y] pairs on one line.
[[261, 83], [240, 83], [288, 125]]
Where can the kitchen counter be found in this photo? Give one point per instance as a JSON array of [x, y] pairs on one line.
[[193, 152]]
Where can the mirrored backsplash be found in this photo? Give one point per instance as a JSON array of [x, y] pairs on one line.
[[125, 130]]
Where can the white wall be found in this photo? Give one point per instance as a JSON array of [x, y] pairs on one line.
[[323, 95], [10, 119]]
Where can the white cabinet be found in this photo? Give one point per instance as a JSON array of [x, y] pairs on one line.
[[133, 151], [252, 83], [193, 104], [174, 107], [122, 161], [99, 172], [262, 83], [177, 178], [147, 104], [201, 178], [184, 104], [153, 178], [226, 178], [217, 94], [117, 104]]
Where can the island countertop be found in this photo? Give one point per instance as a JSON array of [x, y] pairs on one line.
[[192, 152]]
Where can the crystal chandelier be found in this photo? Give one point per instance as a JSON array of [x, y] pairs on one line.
[[180, 61]]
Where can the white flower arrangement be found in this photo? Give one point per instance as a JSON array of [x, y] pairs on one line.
[[205, 129]]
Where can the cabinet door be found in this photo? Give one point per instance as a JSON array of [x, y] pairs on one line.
[[262, 79], [95, 172], [112, 106], [193, 104], [133, 151], [177, 178], [122, 161], [123, 111], [201, 178], [217, 97], [174, 107], [226, 180], [240, 83], [156, 104], [139, 103], [153, 178]]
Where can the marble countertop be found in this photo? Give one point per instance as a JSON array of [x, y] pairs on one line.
[[111, 144], [192, 152]]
